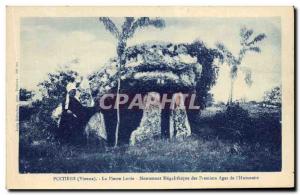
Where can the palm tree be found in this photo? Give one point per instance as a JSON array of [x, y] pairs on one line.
[[247, 43], [127, 31]]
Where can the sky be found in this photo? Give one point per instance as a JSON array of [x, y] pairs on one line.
[[85, 45]]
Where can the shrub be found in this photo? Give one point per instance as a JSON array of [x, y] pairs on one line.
[[236, 125], [38, 125], [233, 123]]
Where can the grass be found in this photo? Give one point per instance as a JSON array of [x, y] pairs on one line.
[[205, 151], [193, 154]]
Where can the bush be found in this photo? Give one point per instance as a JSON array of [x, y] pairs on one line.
[[232, 124], [37, 128], [235, 124]]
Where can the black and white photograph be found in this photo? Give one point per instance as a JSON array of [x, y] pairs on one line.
[[108, 94]]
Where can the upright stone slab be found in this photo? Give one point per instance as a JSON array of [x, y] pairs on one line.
[[150, 124], [179, 123], [95, 130]]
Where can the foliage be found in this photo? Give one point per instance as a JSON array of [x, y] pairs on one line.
[[128, 29], [245, 123], [231, 141], [25, 95], [233, 123], [273, 96], [166, 62], [53, 92], [25, 107], [54, 88], [205, 57], [247, 44]]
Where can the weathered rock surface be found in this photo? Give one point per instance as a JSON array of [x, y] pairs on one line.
[[157, 67], [179, 124], [150, 124], [95, 130]]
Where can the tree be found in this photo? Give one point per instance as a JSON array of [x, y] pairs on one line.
[[127, 31], [25, 95], [273, 96], [247, 44], [194, 62], [209, 73], [25, 107], [52, 92], [54, 87]]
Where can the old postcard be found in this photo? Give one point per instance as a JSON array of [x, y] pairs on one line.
[[150, 97]]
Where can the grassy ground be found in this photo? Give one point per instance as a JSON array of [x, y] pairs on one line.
[[205, 151], [193, 154]]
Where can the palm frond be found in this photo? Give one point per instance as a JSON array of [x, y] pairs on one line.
[[248, 79], [248, 75], [227, 55], [110, 26], [257, 39], [144, 22], [242, 53], [222, 48], [255, 49], [233, 72], [246, 33], [126, 27]]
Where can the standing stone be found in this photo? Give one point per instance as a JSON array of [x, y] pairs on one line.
[[95, 130], [179, 124], [150, 124]]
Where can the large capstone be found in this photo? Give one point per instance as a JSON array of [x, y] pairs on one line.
[[158, 67], [162, 68]]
